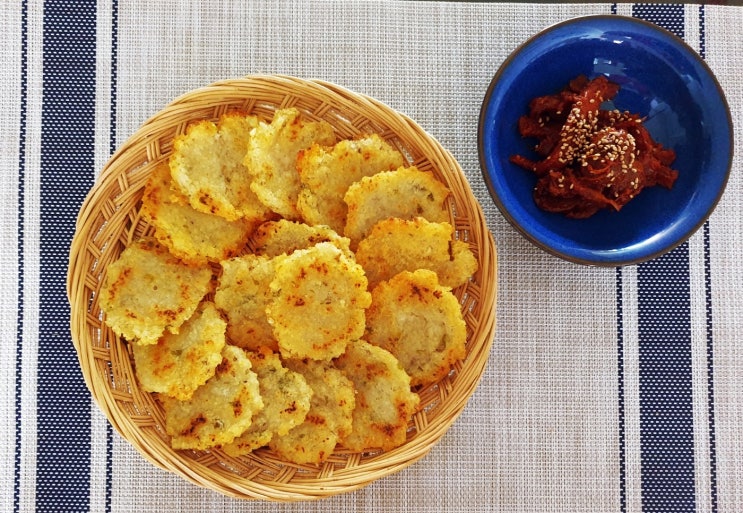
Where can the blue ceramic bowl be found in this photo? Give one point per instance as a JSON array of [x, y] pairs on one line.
[[660, 78]]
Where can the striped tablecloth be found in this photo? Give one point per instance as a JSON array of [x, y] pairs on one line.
[[608, 390]]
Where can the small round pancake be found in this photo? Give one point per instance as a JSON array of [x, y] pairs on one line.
[[329, 419], [243, 294], [220, 410], [148, 291], [207, 167], [396, 245], [191, 235], [406, 193], [384, 402], [326, 174], [420, 322], [319, 298], [284, 237], [178, 364], [272, 155], [286, 398]]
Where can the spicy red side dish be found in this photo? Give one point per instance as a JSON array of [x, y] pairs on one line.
[[592, 158]]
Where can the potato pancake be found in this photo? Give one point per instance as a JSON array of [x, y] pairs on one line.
[[406, 193], [274, 238], [147, 291], [319, 298], [420, 322], [178, 364], [396, 245], [207, 167], [243, 294], [286, 398], [272, 155], [384, 402], [326, 173], [293, 291], [329, 419], [190, 235], [220, 410]]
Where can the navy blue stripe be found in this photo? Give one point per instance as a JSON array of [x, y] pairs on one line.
[[114, 75], [668, 16], [620, 388], [112, 149], [67, 171], [666, 422], [664, 330], [710, 372], [710, 376], [710, 339], [21, 256]]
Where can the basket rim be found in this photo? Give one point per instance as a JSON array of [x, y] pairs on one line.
[[340, 480]]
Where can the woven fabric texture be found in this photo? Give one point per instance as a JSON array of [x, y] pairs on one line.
[[607, 390]]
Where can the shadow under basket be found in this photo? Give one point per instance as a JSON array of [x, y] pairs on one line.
[[109, 220]]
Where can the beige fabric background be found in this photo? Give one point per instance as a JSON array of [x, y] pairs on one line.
[[541, 432]]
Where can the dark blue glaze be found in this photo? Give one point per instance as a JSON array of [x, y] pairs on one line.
[[661, 78]]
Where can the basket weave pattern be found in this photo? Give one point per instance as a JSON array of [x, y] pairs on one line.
[[109, 220]]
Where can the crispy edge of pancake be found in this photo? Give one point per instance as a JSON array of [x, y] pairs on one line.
[[193, 236], [272, 154], [242, 294], [420, 322], [326, 173], [220, 410], [319, 299], [385, 403], [329, 418], [279, 237], [395, 245], [180, 363], [286, 396], [147, 291], [405, 193], [207, 167]]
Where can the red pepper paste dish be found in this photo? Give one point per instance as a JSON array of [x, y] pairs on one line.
[[592, 158]]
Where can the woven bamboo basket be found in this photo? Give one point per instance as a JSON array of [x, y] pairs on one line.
[[109, 220]]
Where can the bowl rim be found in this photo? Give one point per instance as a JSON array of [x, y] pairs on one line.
[[603, 257]]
